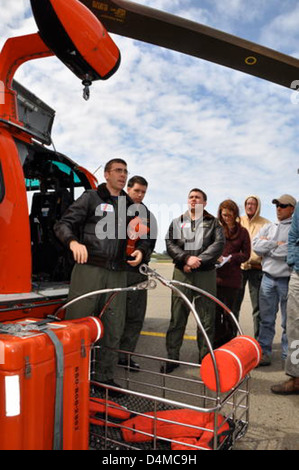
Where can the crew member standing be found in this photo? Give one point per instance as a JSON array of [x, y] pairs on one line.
[[100, 217], [195, 241], [146, 225]]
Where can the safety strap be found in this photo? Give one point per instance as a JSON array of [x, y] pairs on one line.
[[58, 417], [16, 329]]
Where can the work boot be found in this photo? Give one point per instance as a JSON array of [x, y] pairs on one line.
[[289, 387], [265, 361], [131, 364], [170, 367]]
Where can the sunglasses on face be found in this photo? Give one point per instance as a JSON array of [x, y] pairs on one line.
[[283, 206]]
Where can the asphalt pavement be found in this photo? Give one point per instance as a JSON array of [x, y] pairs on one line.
[[273, 419]]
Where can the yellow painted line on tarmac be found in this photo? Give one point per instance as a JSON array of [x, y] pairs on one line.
[[152, 333], [163, 335]]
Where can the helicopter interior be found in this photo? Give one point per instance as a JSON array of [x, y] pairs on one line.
[[52, 183]]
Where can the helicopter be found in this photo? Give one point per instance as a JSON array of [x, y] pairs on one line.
[[35, 268]]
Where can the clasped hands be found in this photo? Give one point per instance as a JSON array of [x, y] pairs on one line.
[[193, 262]]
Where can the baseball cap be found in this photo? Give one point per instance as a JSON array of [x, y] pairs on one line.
[[285, 199]]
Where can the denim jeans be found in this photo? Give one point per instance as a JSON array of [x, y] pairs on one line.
[[273, 295]]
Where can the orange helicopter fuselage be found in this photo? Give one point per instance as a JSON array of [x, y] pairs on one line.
[[95, 56]]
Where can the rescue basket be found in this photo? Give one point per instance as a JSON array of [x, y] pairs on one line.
[[155, 411]]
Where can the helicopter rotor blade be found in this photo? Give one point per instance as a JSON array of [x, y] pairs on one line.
[[149, 25]]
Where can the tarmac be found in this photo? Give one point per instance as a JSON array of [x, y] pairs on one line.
[[273, 419]]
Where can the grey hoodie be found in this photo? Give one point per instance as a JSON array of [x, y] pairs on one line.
[[274, 256]]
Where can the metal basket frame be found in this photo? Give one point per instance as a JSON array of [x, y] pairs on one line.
[[233, 405]]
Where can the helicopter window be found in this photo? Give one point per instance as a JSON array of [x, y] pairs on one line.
[[66, 169], [23, 151], [2, 187]]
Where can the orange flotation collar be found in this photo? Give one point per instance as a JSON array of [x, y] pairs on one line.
[[99, 408], [193, 427], [206, 440], [193, 430]]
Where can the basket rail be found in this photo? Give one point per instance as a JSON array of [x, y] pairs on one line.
[[154, 276]]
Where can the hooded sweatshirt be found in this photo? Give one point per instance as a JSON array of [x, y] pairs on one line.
[[253, 226], [274, 255]]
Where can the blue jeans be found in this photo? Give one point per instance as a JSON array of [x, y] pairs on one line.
[[273, 294]]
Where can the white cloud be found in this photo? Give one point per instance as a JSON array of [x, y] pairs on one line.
[[282, 32], [180, 122], [15, 20]]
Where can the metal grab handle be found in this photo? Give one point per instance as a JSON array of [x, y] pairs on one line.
[[141, 286], [212, 297], [146, 270], [151, 284]]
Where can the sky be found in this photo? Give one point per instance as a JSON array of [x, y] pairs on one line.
[[179, 121]]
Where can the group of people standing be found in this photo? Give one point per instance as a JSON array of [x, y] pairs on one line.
[[111, 233], [237, 251]]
